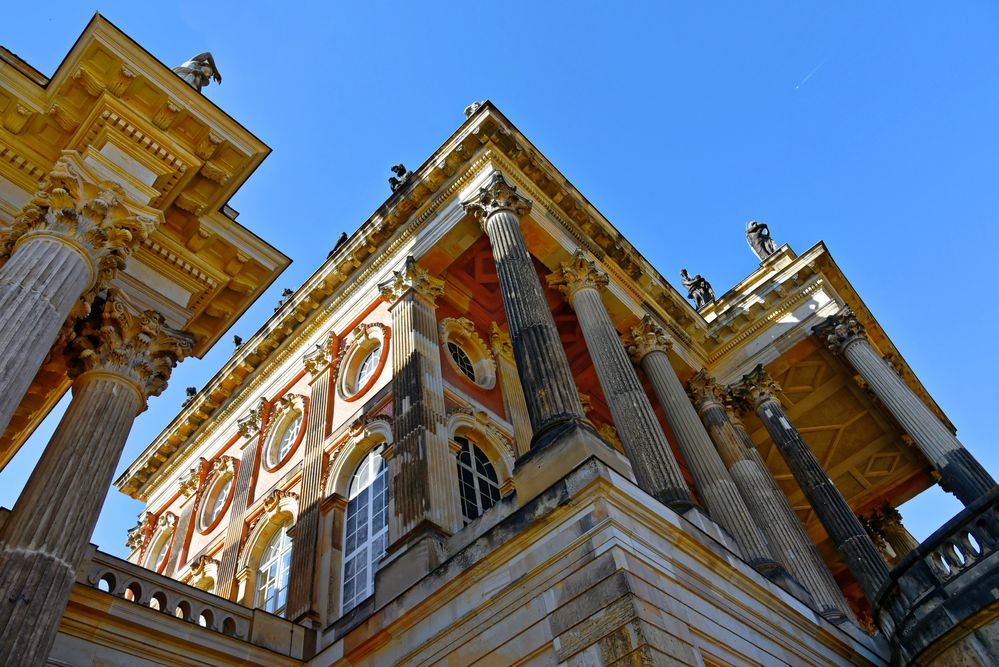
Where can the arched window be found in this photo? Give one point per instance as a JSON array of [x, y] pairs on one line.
[[157, 559], [477, 480], [367, 368], [272, 575], [461, 360], [365, 530], [216, 502]]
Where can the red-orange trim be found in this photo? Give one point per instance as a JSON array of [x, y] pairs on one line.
[[225, 506], [298, 439], [382, 358]]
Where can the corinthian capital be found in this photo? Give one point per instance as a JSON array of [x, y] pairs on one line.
[[645, 338], [79, 209], [318, 358], [756, 387], [704, 391], [414, 278], [138, 347], [576, 274], [840, 330], [497, 195]]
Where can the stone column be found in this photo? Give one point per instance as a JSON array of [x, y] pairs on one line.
[[648, 345], [422, 477], [641, 436], [250, 426], [788, 538], [64, 246], [549, 389], [886, 522], [121, 358], [191, 486], [513, 394], [845, 530], [959, 471], [305, 547]]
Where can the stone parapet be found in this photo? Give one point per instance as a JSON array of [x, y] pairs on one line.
[[941, 603]]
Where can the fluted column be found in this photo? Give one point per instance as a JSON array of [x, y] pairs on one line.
[[305, 547], [66, 244], [787, 537], [250, 426], [191, 486], [552, 399], [960, 472], [513, 394], [844, 529], [642, 439], [886, 522], [120, 358], [422, 477]]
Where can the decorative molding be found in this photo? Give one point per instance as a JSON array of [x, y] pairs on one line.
[[414, 278], [647, 337], [461, 331], [577, 274]]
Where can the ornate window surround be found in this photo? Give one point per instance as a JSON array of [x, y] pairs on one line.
[[162, 538], [477, 427], [363, 339], [287, 408], [461, 331], [280, 510], [223, 468]]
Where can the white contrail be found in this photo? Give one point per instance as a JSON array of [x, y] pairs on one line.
[[811, 74]]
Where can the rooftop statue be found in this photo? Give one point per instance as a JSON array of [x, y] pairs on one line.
[[758, 235], [698, 289], [401, 176], [199, 71], [472, 108]]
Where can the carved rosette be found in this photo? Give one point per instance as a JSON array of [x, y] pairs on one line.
[[840, 330], [496, 196], [92, 215], [138, 347], [756, 387], [249, 424], [577, 274], [645, 338], [704, 391], [318, 358], [412, 277]]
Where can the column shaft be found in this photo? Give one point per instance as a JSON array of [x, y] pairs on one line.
[[788, 538], [960, 472], [513, 393], [844, 529], [226, 585], [182, 531], [305, 545], [39, 286], [45, 537]]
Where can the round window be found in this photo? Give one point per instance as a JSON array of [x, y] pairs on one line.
[[461, 360], [366, 369], [363, 358], [216, 502], [467, 352], [284, 439]]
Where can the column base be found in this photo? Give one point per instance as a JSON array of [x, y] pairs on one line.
[[34, 590], [776, 573], [699, 518], [557, 450], [965, 477]]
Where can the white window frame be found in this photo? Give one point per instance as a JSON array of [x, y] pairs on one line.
[[274, 572], [360, 562]]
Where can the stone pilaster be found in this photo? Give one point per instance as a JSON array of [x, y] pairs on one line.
[[886, 522], [787, 537], [513, 394], [301, 587], [250, 427], [959, 471], [191, 487], [642, 438], [120, 358], [551, 395], [64, 246], [422, 477], [844, 529]]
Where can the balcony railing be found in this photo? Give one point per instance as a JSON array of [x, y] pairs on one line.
[[950, 578]]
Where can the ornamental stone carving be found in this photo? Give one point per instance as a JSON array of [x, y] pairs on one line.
[[93, 216], [139, 347], [840, 330], [704, 391], [274, 498], [497, 195], [318, 358], [204, 566], [577, 274], [461, 332], [249, 424], [137, 533], [756, 387], [411, 277], [222, 466], [647, 337], [500, 341], [191, 481]]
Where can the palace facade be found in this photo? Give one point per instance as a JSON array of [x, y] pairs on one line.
[[485, 431]]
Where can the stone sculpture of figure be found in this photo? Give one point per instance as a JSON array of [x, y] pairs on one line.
[[339, 243], [190, 393], [758, 235], [698, 289], [472, 108], [237, 341], [199, 71], [401, 176], [285, 295]]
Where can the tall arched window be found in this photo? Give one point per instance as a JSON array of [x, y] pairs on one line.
[[477, 480], [272, 575], [365, 530]]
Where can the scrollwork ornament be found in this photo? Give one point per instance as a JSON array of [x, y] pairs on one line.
[[704, 391], [577, 274], [647, 337], [757, 387], [840, 330], [497, 195], [411, 277]]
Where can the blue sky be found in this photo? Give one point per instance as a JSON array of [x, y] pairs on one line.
[[870, 126]]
